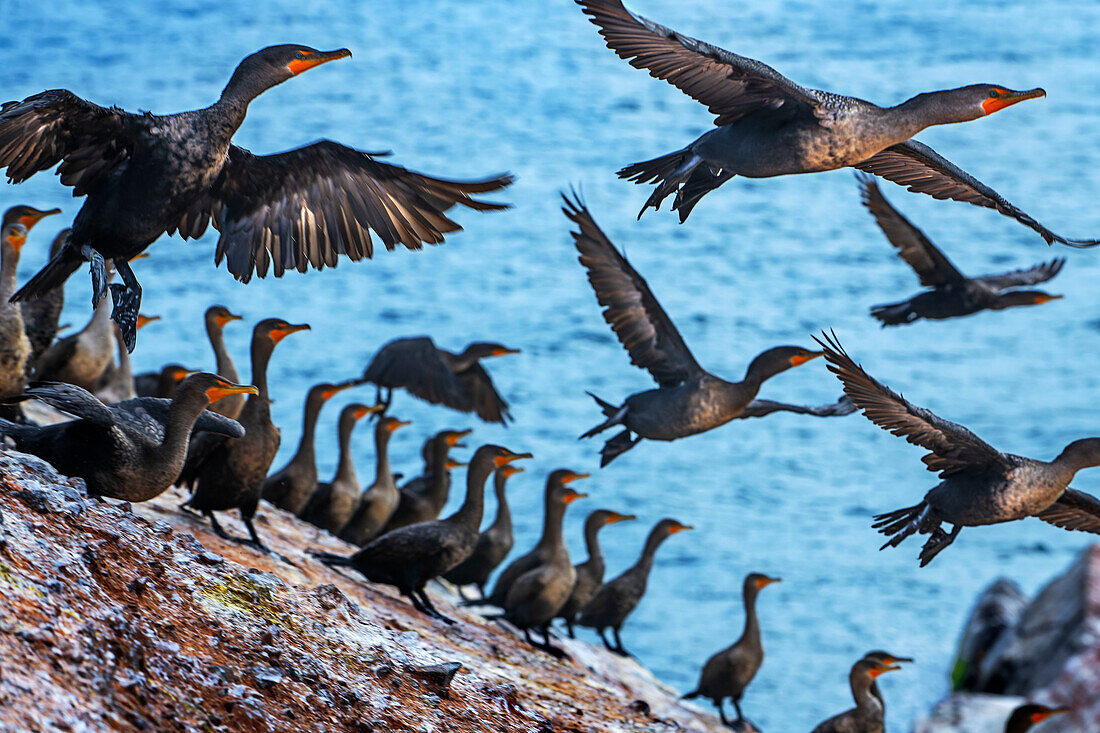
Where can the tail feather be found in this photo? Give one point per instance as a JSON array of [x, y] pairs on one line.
[[332, 559], [615, 447], [691, 695], [613, 414], [668, 172], [702, 181], [895, 314], [53, 275]]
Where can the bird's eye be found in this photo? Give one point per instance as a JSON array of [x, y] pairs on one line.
[[299, 55], [993, 93]]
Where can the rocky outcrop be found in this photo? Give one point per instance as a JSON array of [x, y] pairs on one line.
[[119, 617], [1046, 650]]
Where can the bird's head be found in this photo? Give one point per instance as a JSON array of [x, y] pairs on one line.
[[995, 98], [779, 359], [357, 411], [969, 103], [211, 386], [1024, 297], [28, 216], [755, 581], [486, 349], [275, 330], [453, 438], [219, 315], [390, 424], [1030, 714], [273, 65]]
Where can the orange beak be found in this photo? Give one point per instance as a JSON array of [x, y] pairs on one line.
[[574, 477], [455, 436], [509, 457], [680, 528], [143, 320], [616, 517], [222, 320], [180, 374], [1044, 714], [504, 351], [1040, 299], [571, 496], [511, 470], [883, 669], [224, 389], [281, 332], [138, 256], [764, 582], [396, 425], [337, 388], [309, 59], [800, 359], [29, 220], [1007, 98], [452, 464], [362, 411]]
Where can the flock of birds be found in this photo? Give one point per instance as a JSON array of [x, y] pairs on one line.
[[132, 437]]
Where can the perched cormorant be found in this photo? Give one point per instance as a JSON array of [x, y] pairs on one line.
[[28, 216], [291, 486], [888, 659], [214, 319], [689, 400], [953, 293], [132, 450], [332, 502], [41, 314], [769, 126], [15, 348], [228, 473], [409, 557], [589, 574], [540, 553], [980, 485], [869, 713], [1030, 714], [616, 599], [378, 501], [145, 175], [729, 672], [493, 544], [439, 376], [423, 498]]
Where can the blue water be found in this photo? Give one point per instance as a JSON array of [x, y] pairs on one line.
[[470, 89]]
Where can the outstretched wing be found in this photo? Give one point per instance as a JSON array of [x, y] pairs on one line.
[[952, 447], [1032, 276], [931, 265], [306, 207], [418, 366], [1074, 510], [157, 409], [731, 86], [488, 403], [71, 400], [643, 327], [760, 408], [59, 127], [921, 169]]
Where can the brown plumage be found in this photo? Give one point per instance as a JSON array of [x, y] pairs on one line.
[[589, 574], [291, 486], [409, 557], [868, 716], [378, 501], [228, 473], [617, 599], [41, 314]]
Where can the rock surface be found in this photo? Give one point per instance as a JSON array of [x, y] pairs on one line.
[[119, 617], [1047, 651]]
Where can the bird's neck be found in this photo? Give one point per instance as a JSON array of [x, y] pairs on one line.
[[382, 469], [592, 543], [1068, 463], [260, 356], [503, 521], [223, 362], [182, 414], [124, 374], [461, 362], [436, 469], [751, 634], [551, 530], [861, 692], [8, 272], [645, 560], [473, 506], [345, 466], [309, 429], [920, 112]]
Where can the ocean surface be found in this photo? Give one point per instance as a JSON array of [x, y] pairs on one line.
[[467, 89]]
